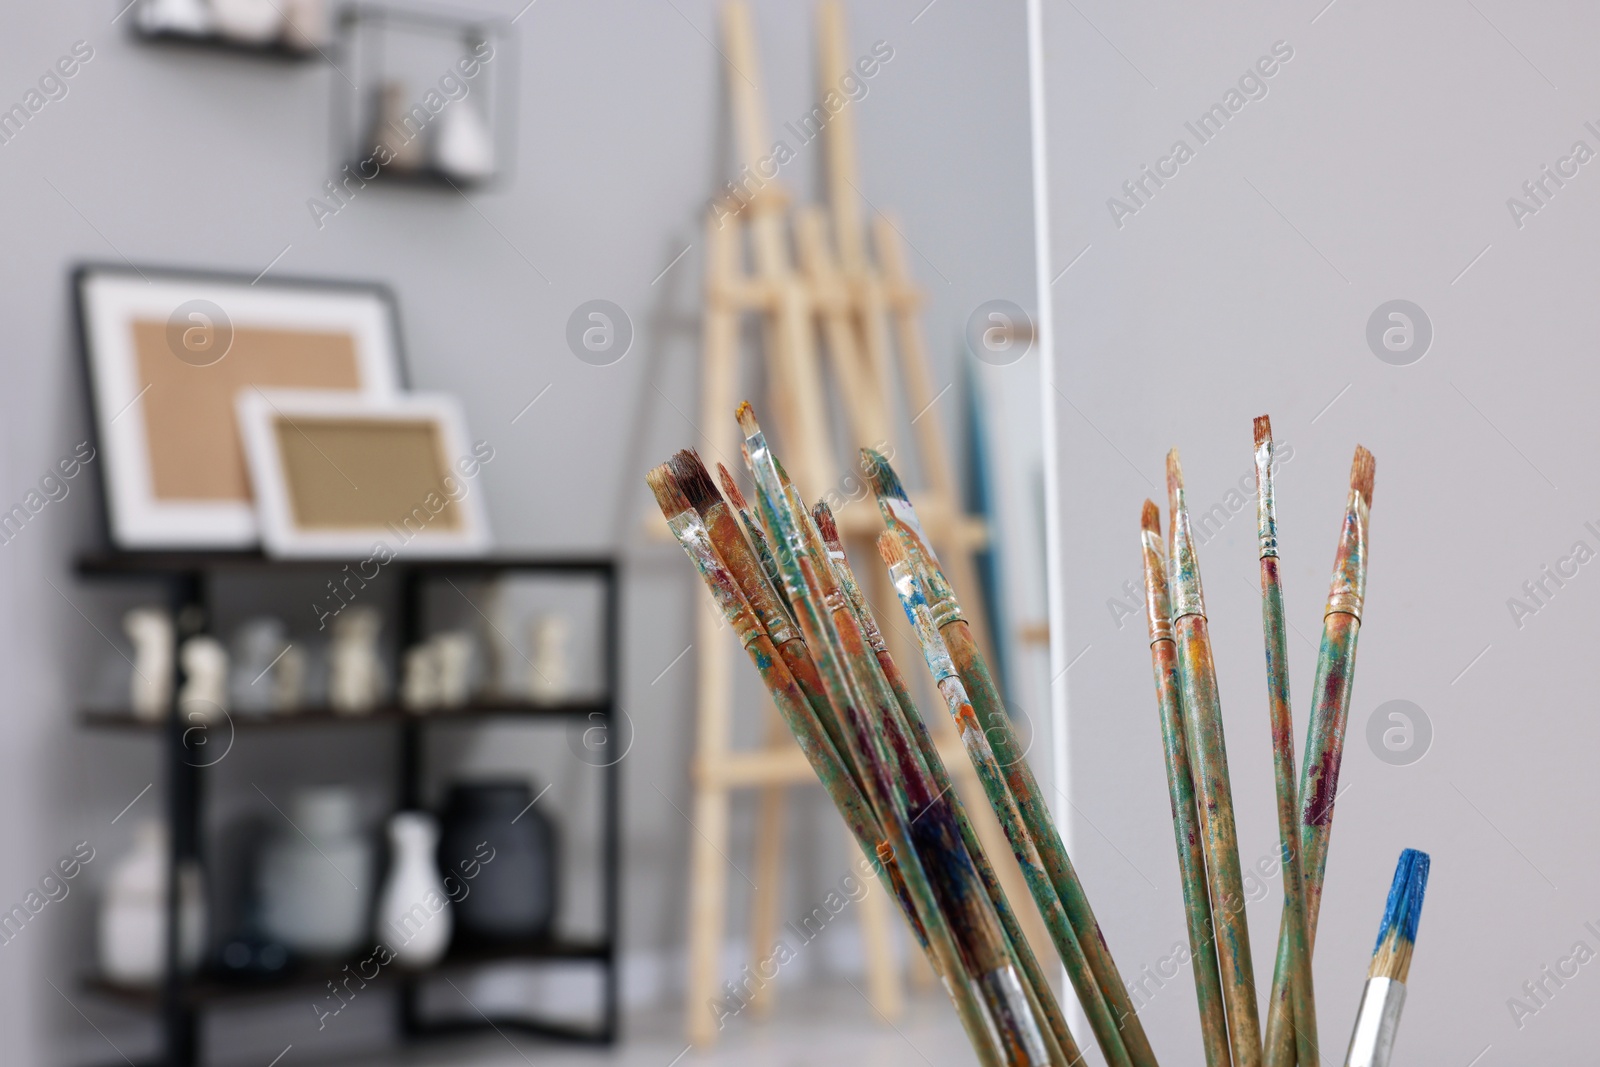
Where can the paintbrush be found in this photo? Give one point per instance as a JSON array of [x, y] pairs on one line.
[[1063, 1048], [901, 517], [790, 699], [1300, 1006], [1319, 773], [1203, 714], [827, 641], [758, 536], [1180, 788], [992, 777], [978, 933], [1378, 1019]]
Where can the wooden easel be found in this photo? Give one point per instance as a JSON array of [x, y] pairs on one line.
[[859, 307]]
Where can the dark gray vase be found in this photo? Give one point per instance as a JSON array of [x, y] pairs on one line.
[[499, 858]]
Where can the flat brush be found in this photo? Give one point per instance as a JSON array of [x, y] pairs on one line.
[[934, 825], [1378, 1019], [1319, 770], [992, 778], [1180, 789], [970, 664], [695, 481], [868, 747], [758, 536], [1202, 709], [1301, 1003], [1063, 1048], [786, 694]]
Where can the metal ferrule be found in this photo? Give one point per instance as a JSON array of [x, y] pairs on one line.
[[1377, 1022], [1187, 598], [1266, 502], [1157, 601], [941, 598], [696, 541], [1349, 585], [1003, 993], [934, 652]]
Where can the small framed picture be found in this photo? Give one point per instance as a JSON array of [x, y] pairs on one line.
[[168, 352], [344, 477]]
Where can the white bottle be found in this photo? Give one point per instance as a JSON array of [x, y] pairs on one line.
[[133, 913], [414, 913], [151, 631]]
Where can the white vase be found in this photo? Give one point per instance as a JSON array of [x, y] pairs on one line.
[[414, 913], [174, 16], [465, 147], [133, 913], [251, 21], [315, 878]]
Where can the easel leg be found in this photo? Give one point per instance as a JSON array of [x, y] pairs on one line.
[[708, 869], [770, 824]]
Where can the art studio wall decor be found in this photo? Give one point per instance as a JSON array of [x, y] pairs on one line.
[[167, 353], [428, 99], [335, 474]]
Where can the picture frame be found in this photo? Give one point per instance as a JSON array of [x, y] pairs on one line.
[[167, 350], [341, 476]]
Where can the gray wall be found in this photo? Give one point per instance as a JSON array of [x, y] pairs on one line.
[[1377, 167], [170, 157]]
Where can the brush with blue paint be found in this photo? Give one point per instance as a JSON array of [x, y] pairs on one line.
[[1378, 1020]]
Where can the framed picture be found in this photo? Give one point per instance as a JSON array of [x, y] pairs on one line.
[[168, 352], [345, 477]]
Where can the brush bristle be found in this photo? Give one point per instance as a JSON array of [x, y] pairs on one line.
[[694, 480], [1150, 519], [1263, 430], [1361, 472], [747, 418], [1397, 934], [730, 489], [890, 548], [1174, 471], [885, 482], [822, 515], [669, 496]]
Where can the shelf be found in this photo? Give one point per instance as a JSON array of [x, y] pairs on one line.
[[216, 42], [158, 564], [314, 975], [429, 178], [477, 711]]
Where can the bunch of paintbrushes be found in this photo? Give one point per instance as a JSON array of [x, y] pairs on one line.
[[1197, 770], [779, 574]]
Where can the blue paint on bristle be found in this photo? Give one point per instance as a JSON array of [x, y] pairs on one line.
[[1404, 907], [885, 480]]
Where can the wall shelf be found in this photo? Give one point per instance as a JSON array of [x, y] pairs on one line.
[[180, 1000]]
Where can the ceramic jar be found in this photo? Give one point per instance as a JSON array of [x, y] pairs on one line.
[[133, 913], [506, 854], [316, 876]]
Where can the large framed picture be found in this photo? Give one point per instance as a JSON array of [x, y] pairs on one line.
[[169, 351], [343, 477]]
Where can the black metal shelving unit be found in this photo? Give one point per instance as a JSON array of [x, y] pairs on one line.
[[186, 578]]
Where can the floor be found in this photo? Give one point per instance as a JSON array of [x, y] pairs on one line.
[[822, 1027]]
